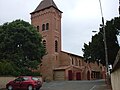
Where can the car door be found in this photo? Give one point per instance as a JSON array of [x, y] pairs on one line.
[[23, 84], [17, 83]]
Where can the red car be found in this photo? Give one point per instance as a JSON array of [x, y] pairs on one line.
[[24, 83]]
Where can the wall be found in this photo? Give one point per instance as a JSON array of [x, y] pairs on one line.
[[115, 75], [64, 59], [4, 80], [115, 79]]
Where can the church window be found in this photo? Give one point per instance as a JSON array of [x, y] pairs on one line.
[[38, 28], [43, 27], [72, 61], [44, 43], [76, 62], [56, 46], [47, 26], [79, 63]]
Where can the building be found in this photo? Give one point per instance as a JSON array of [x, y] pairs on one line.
[[58, 64]]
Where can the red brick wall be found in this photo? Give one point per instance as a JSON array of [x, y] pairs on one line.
[[53, 17], [64, 59]]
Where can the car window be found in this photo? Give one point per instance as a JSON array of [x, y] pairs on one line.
[[25, 78], [19, 79], [35, 79]]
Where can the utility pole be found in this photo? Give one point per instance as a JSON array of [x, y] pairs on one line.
[[119, 7], [105, 45]]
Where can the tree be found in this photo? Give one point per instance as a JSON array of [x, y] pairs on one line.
[[21, 44], [95, 49]]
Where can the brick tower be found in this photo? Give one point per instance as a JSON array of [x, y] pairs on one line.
[[47, 19]]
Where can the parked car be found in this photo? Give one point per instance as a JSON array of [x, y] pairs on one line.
[[24, 83]]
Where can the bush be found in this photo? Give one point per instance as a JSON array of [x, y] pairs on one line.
[[10, 69], [7, 69]]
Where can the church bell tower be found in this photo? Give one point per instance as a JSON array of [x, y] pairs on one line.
[[47, 19]]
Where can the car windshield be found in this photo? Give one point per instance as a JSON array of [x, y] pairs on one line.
[[19, 79]]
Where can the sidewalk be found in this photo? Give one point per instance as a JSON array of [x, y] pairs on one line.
[[101, 87]]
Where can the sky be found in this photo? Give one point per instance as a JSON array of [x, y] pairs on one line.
[[79, 18]]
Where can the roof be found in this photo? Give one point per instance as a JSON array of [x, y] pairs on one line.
[[45, 4], [72, 54]]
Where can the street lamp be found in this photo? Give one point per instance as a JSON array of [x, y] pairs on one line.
[[105, 44]]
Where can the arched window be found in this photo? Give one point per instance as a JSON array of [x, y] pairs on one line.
[[79, 63], [76, 62], [38, 28], [72, 61], [43, 27], [56, 46], [47, 26], [44, 43]]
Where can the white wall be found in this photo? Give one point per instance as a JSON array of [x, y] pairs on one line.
[[115, 79]]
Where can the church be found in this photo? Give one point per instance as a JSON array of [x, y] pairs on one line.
[[58, 64]]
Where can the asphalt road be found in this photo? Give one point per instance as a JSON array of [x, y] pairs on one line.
[[75, 85]]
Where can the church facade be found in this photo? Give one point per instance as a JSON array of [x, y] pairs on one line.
[[58, 64]]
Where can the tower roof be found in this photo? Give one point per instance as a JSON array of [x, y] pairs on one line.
[[45, 4]]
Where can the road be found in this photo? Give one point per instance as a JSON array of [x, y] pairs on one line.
[[75, 85]]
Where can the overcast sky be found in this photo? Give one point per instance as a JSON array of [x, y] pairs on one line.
[[79, 18]]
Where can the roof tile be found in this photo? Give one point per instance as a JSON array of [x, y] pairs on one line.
[[45, 4]]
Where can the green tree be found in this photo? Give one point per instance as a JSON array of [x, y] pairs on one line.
[[21, 44], [95, 49]]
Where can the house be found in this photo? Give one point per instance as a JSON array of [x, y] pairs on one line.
[[58, 64]]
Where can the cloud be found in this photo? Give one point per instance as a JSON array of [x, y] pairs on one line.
[[79, 18]]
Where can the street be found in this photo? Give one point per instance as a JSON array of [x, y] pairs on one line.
[[75, 85]]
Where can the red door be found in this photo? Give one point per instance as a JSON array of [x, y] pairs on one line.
[[78, 76], [88, 75], [70, 75]]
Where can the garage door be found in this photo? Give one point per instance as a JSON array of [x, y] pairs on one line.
[[59, 75]]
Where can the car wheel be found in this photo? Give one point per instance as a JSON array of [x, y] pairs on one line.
[[10, 87], [30, 87], [37, 88]]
